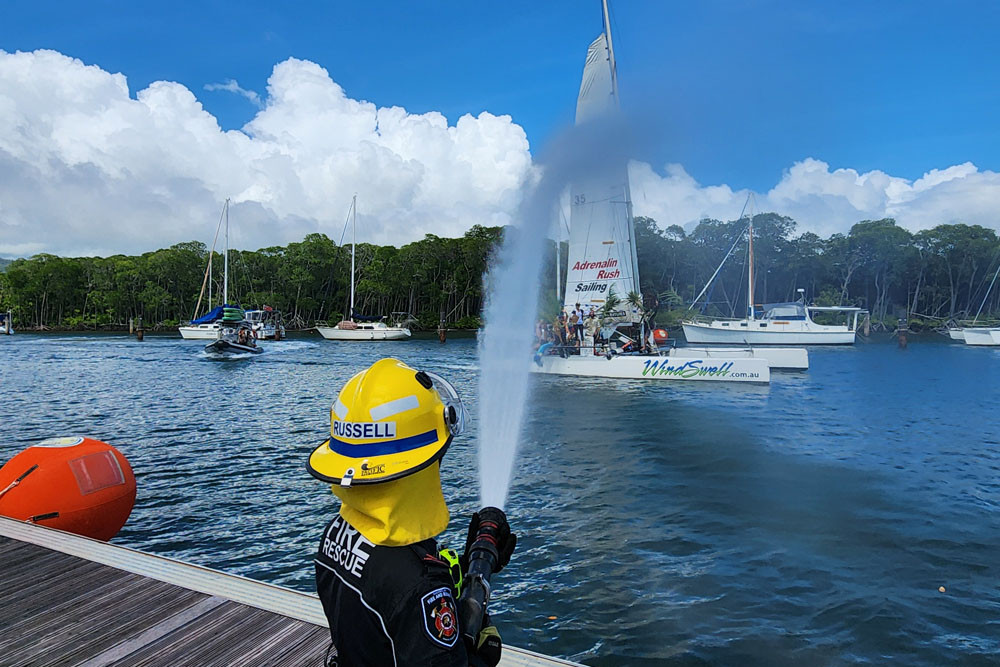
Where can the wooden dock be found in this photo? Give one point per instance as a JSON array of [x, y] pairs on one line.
[[69, 601]]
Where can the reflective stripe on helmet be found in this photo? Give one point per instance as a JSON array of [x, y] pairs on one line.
[[368, 449]]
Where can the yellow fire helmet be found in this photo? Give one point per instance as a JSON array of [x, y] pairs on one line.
[[388, 421]]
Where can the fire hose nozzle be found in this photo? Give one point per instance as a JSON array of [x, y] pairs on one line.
[[489, 538]]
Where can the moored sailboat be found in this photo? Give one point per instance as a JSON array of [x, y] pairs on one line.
[[789, 323], [974, 334], [208, 325], [359, 327]]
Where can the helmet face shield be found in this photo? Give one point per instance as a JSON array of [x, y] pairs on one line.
[[454, 410]]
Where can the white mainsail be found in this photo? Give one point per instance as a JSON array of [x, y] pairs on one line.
[[601, 238]]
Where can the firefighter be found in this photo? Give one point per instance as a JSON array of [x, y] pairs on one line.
[[388, 592]]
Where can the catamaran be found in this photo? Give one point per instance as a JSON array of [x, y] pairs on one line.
[[789, 323], [359, 327], [602, 261]]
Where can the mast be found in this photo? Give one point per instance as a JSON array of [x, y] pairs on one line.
[[225, 262], [750, 273], [630, 223], [354, 243], [611, 52], [558, 269]]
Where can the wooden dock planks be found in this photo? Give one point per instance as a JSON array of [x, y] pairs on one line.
[[58, 610], [68, 601]]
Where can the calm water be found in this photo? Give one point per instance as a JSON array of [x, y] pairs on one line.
[[809, 523]]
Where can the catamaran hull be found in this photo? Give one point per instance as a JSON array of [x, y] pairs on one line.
[[698, 333], [657, 368], [783, 358], [956, 334], [389, 333], [982, 337], [225, 347], [200, 332]]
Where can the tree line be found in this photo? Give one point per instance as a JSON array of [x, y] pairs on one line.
[[928, 276], [434, 278], [933, 275]]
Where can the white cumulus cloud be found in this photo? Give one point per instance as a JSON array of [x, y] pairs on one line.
[[85, 168], [88, 167], [826, 201]]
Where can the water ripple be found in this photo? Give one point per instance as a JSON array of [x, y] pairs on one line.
[[809, 522]]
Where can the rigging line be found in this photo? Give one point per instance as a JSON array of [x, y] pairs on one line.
[[209, 265], [719, 268], [990, 289], [346, 222]]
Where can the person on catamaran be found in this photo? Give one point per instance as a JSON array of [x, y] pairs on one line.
[[388, 592]]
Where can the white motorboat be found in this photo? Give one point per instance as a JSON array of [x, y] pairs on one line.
[[266, 323], [6, 323], [358, 327]]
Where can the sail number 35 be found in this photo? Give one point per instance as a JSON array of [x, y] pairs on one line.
[[579, 199]]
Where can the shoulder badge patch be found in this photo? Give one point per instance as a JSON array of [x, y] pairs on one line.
[[440, 617]]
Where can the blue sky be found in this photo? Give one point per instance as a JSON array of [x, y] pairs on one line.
[[734, 91], [831, 112]]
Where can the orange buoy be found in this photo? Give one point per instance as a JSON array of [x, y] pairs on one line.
[[659, 336], [79, 485]]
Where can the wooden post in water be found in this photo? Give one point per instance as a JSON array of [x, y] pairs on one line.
[[442, 332], [901, 330], [131, 326], [139, 330]]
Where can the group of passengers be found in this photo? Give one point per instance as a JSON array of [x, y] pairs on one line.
[[246, 337], [577, 329]]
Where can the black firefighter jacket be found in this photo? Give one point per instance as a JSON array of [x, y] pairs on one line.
[[387, 605]]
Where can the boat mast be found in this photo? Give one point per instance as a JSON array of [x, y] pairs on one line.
[[630, 224], [611, 52], [558, 269], [750, 272], [354, 243], [225, 262]]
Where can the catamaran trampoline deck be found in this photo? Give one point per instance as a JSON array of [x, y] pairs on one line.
[[68, 601]]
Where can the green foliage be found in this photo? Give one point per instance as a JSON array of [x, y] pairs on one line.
[[308, 281], [935, 274]]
